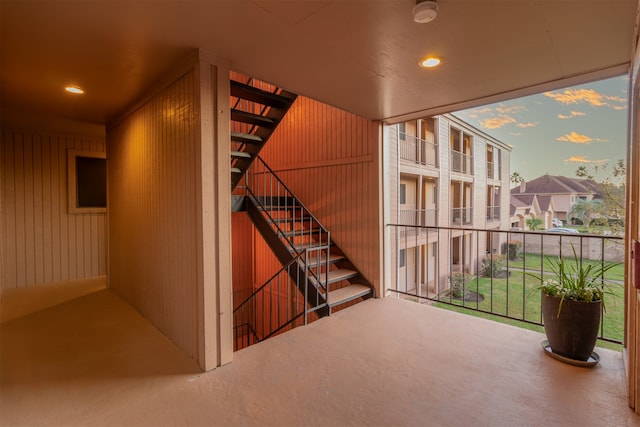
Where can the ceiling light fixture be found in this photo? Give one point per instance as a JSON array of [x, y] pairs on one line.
[[74, 89], [430, 61], [425, 11]]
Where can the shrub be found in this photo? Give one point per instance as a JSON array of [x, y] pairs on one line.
[[459, 281], [512, 249], [600, 222], [491, 266]]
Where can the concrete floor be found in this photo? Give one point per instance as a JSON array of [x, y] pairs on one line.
[[94, 361]]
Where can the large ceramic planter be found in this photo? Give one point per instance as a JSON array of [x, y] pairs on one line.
[[572, 333]]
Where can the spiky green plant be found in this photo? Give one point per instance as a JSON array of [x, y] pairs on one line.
[[576, 281]]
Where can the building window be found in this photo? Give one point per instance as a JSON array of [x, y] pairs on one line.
[[403, 194], [401, 258], [87, 181], [402, 130]]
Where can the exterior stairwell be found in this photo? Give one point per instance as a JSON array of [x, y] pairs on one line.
[[316, 276]]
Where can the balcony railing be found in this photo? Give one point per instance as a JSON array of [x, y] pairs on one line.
[[493, 213], [499, 273], [417, 150], [426, 217], [461, 162], [461, 216], [493, 171]]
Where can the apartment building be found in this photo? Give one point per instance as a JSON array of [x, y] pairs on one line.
[[443, 173]]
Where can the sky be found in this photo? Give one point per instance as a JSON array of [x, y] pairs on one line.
[[555, 132]]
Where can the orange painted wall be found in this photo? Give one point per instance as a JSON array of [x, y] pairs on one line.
[[330, 159]]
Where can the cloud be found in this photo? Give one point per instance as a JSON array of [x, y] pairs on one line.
[[527, 125], [497, 122], [571, 115], [505, 109], [575, 138], [578, 159], [588, 96], [584, 159]]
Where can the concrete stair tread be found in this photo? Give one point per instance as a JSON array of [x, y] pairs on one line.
[[314, 262], [336, 276], [341, 274], [346, 294], [240, 154]]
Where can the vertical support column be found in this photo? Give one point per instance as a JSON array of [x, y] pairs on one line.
[[632, 231], [420, 208], [215, 306]]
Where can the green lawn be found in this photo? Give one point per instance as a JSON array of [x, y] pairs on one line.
[[518, 298], [535, 263]]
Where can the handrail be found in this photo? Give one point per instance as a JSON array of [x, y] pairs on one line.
[[261, 302], [266, 283], [498, 272], [290, 192], [316, 229], [309, 265]]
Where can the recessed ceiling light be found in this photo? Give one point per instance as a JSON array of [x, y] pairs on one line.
[[74, 89], [430, 61]]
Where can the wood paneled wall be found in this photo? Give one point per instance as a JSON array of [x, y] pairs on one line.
[[330, 159], [153, 164], [170, 209], [41, 242]]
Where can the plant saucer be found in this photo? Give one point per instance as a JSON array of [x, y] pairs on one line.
[[590, 363]]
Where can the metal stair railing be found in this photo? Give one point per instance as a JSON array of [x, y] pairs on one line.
[[299, 230], [275, 307]]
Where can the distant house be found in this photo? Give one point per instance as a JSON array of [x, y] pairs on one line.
[[562, 191], [527, 206]]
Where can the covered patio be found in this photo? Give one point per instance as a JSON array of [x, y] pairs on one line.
[[93, 360]]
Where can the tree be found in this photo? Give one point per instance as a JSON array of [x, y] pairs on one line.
[[534, 223], [516, 178], [610, 180], [587, 210]]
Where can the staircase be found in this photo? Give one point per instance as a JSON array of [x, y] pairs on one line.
[[257, 109], [316, 276]]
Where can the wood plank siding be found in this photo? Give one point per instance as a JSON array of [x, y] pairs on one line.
[[330, 159], [152, 210], [41, 242], [170, 211]]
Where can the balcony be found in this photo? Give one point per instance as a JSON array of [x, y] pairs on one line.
[[493, 213], [424, 217], [493, 171], [497, 273], [418, 151], [461, 216], [93, 360], [461, 162]]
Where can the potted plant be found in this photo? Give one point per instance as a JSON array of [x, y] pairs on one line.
[[572, 303]]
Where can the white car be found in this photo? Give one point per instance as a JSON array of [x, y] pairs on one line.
[[556, 222], [563, 230]]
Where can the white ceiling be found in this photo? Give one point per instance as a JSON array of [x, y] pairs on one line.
[[359, 55]]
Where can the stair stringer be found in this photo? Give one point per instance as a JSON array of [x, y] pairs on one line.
[[282, 253]]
